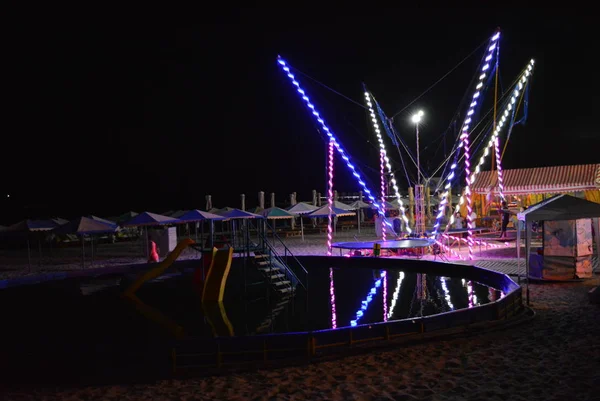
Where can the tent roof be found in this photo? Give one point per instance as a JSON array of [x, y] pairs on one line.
[[150, 219], [324, 212], [301, 208], [177, 214], [388, 206], [340, 205], [553, 179], [85, 225], [199, 215], [105, 221], [239, 214], [358, 205], [125, 217], [561, 207], [255, 209], [32, 225], [276, 213]]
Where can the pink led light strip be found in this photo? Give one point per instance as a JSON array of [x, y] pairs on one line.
[[330, 198], [330, 233], [465, 138], [382, 173]]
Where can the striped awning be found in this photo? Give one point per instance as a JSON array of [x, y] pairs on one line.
[[556, 179]]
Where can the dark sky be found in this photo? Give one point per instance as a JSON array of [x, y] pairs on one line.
[[105, 118]]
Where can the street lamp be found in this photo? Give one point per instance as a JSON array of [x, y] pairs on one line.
[[416, 119]]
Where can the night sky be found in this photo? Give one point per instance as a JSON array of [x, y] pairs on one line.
[[105, 118]]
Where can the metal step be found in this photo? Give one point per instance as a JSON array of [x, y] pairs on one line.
[[277, 275], [282, 282]]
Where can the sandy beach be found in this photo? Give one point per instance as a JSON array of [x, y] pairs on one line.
[[554, 356]]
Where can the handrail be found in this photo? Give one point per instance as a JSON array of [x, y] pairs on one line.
[[286, 249], [263, 236]]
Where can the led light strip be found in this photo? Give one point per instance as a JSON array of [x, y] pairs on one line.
[[332, 300], [385, 308], [284, 65], [382, 172], [522, 82], [330, 233], [465, 128], [386, 159], [365, 304], [395, 295], [446, 293], [330, 199]]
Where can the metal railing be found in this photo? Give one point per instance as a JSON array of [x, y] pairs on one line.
[[285, 259]]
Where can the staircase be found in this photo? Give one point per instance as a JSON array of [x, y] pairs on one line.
[[274, 273], [278, 308]]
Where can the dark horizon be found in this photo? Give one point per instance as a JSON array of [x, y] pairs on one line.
[[103, 121]]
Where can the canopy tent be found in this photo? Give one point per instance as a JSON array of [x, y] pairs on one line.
[[231, 213], [105, 221], [555, 179], [276, 213], [83, 226], [357, 205], [178, 213], [123, 217], [255, 209], [29, 227], [301, 209], [388, 206], [323, 211], [149, 219], [558, 208], [340, 205], [199, 216]]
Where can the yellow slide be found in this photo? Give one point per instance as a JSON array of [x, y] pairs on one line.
[[151, 313], [212, 295]]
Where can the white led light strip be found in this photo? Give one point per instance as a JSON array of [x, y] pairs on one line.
[[522, 82], [386, 159], [465, 128]]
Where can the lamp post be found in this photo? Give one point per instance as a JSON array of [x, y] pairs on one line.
[[419, 212], [416, 119]]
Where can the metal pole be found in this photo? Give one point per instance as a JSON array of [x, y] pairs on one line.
[[418, 158]]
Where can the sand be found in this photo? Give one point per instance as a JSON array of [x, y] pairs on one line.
[[555, 356]]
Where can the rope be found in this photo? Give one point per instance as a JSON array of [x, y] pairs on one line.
[[441, 79], [327, 87], [515, 113]]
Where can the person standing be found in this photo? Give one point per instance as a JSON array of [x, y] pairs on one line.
[[505, 216]]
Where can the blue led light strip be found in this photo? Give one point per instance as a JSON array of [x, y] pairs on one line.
[[465, 131], [365, 304], [285, 66]]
